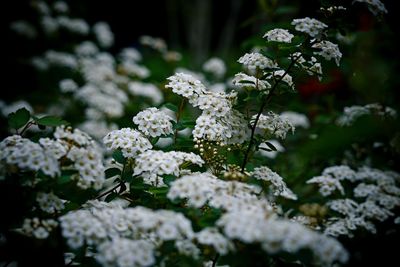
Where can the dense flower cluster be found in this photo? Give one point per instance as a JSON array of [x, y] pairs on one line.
[[296, 119], [147, 90], [49, 202], [279, 35], [38, 228], [274, 125], [279, 187], [153, 122], [328, 51], [311, 26], [255, 61], [27, 156], [204, 188], [129, 141], [351, 114], [113, 230], [277, 235], [243, 80], [378, 190], [152, 164]]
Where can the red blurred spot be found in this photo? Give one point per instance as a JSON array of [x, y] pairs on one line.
[[314, 87]]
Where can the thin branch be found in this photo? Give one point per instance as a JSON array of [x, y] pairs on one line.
[[109, 191], [263, 105], [214, 263], [29, 124], [178, 117]]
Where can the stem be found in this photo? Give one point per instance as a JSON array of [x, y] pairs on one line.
[[265, 102], [214, 263], [109, 191], [29, 124], [178, 117]]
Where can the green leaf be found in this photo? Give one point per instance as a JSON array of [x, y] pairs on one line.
[[271, 146], [171, 106], [246, 82], [117, 155], [111, 197], [112, 172], [50, 121], [188, 123], [19, 118]]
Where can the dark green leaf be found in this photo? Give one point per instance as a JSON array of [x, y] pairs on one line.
[[271, 146], [19, 118], [112, 172], [171, 107], [51, 121], [246, 82], [111, 197], [117, 155]]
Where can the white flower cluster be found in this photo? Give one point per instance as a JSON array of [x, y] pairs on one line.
[[328, 51], [153, 122], [312, 66], [147, 90], [378, 191], [279, 35], [215, 66], [38, 228], [212, 237], [219, 121], [254, 61], [103, 34], [229, 129], [351, 114], [187, 86], [86, 157], [285, 77], [49, 202], [243, 80], [311, 26], [279, 187], [112, 229], [279, 235], [129, 141], [375, 6], [274, 125], [123, 252], [27, 156], [152, 164], [204, 188]]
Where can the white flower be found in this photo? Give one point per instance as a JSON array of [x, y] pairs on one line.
[[279, 35], [311, 26], [129, 141], [351, 114], [327, 184], [243, 80], [274, 124], [153, 122], [328, 51], [279, 187], [254, 61]]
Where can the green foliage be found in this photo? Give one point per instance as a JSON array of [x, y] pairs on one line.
[[19, 118]]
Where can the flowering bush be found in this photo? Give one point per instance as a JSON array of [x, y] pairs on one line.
[[181, 172]]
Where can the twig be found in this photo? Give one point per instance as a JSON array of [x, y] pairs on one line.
[[214, 263], [109, 191], [29, 124], [265, 102], [178, 117]]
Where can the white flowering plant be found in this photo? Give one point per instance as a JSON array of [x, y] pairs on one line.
[[185, 169]]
